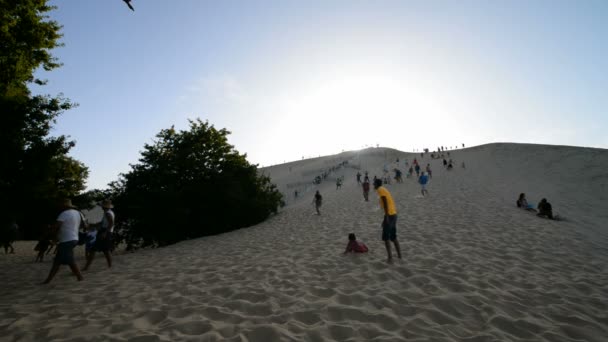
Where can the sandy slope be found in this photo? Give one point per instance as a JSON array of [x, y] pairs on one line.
[[475, 268]]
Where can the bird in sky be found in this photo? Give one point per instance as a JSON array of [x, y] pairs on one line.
[[128, 2]]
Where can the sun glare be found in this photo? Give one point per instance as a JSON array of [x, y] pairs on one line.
[[345, 107]]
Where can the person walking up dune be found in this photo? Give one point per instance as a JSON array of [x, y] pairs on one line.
[[103, 240], [366, 190], [318, 201], [67, 226], [389, 223], [423, 180]]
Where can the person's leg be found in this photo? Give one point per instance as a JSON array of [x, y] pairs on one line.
[[52, 273], [10, 244], [76, 271], [387, 245], [397, 248], [108, 258], [89, 260]]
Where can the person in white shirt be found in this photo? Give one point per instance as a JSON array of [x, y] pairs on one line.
[[104, 241], [67, 225]]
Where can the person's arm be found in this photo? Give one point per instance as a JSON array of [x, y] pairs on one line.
[[347, 248], [110, 221], [385, 205]]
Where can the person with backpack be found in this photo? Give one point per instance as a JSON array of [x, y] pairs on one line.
[[67, 225], [104, 241]]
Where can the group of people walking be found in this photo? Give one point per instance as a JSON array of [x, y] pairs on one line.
[[71, 229]]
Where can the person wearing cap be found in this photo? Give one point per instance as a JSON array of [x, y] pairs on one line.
[[66, 225], [104, 241], [389, 223]]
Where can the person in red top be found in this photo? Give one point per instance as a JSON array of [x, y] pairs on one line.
[[354, 245]]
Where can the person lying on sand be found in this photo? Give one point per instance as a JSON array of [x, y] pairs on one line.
[[354, 245]]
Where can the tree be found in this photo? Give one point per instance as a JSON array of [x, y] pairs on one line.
[[190, 184], [35, 169]]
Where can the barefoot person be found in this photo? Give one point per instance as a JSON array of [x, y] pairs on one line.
[[103, 239], [67, 226], [389, 223]]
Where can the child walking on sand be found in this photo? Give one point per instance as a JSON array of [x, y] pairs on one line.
[[354, 245]]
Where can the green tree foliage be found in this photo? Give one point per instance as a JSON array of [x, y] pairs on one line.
[[190, 184], [34, 167]]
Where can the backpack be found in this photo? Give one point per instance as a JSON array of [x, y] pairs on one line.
[[83, 222]]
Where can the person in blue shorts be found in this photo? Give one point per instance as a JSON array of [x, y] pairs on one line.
[[389, 223]]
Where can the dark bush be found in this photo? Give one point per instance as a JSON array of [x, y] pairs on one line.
[[190, 184]]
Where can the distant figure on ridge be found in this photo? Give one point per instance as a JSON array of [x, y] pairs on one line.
[[389, 223], [354, 245], [318, 201]]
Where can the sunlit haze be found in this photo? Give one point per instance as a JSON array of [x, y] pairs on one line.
[[301, 79]]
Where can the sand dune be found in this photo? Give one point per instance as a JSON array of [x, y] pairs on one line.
[[475, 268]]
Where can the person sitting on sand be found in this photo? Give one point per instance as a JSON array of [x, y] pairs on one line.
[[544, 209], [523, 203], [354, 245]]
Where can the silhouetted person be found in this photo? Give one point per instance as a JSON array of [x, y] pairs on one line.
[[544, 209], [318, 201]]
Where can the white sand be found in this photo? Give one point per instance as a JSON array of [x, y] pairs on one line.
[[475, 268]]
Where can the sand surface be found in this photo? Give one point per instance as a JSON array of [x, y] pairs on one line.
[[475, 267]]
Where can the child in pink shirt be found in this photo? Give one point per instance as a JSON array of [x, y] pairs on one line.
[[354, 245]]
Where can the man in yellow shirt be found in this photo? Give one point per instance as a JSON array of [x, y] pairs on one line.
[[389, 224]]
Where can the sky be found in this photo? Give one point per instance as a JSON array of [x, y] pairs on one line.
[[293, 79]]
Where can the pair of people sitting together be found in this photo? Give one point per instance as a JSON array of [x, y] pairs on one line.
[[544, 207]]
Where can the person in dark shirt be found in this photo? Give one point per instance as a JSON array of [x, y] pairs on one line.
[[544, 209]]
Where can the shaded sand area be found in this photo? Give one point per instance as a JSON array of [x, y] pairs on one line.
[[475, 267]]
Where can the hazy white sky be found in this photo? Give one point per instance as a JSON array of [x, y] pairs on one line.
[[293, 79]]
